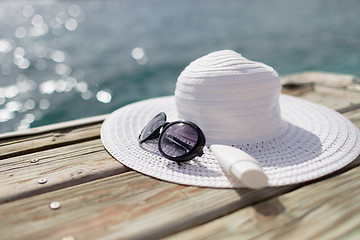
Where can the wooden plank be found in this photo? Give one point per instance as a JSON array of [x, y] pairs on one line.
[[328, 209], [51, 136], [61, 167], [80, 131], [54, 127], [334, 98], [336, 80], [338, 99], [125, 206], [68, 165], [134, 206], [337, 91], [47, 137], [354, 116], [28, 143]]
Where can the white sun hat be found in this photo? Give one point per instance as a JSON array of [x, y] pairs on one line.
[[236, 102]]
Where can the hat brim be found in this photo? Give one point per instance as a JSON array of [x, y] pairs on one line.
[[315, 142]]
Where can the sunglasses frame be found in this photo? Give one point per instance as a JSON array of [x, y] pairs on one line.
[[197, 150]]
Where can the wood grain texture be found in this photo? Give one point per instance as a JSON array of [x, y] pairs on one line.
[[337, 80], [354, 116], [337, 99], [102, 199], [54, 127], [328, 209], [25, 144], [125, 206], [66, 163], [62, 167]]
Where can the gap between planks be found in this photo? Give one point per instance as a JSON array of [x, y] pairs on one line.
[[16, 146], [126, 206], [76, 133], [134, 206], [226, 204], [327, 209], [67, 133], [61, 167]]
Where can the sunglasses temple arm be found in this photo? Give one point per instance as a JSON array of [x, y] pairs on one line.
[[185, 146], [179, 143], [200, 152]]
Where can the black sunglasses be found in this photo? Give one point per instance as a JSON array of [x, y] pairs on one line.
[[178, 141]]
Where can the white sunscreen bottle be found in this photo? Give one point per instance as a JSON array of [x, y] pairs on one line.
[[241, 165]]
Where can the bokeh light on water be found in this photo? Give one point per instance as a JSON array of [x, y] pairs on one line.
[[63, 60], [35, 62]]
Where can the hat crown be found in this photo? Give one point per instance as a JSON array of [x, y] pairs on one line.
[[232, 99]]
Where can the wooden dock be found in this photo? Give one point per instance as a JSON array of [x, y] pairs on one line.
[[58, 182]]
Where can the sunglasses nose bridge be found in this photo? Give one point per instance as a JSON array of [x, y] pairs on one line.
[[157, 132], [164, 124], [153, 128]]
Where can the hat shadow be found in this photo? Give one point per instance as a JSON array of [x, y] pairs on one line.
[[191, 168], [295, 146], [196, 168], [150, 146]]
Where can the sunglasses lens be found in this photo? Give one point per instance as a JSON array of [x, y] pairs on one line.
[[178, 139], [152, 127]]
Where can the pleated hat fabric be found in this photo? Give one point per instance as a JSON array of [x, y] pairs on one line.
[[232, 99], [237, 102]]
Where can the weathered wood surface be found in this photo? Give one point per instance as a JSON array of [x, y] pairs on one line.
[[102, 199], [61, 167], [46, 137], [327, 209]]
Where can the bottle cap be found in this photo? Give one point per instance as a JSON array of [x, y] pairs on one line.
[[250, 174], [241, 165]]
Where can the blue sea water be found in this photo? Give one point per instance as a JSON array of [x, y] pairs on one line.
[[64, 60]]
